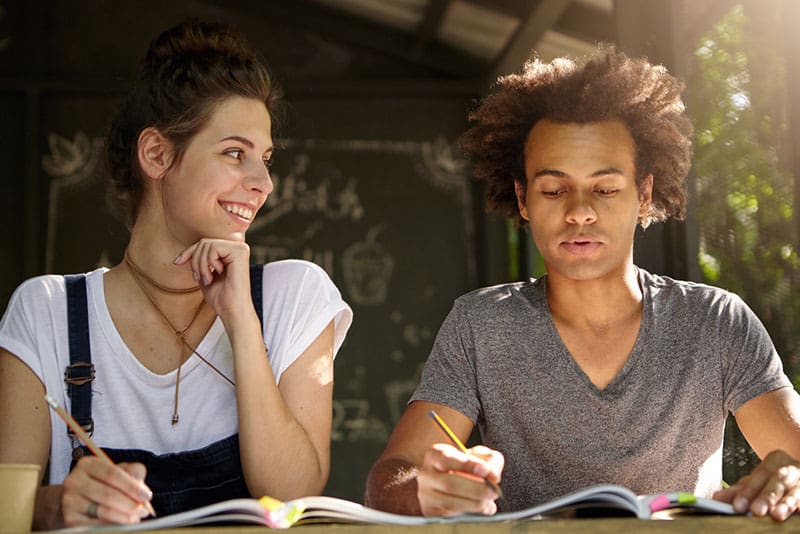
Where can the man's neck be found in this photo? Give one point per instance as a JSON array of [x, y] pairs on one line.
[[596, 304]]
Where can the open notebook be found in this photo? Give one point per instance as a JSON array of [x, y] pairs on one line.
[[272, 513]]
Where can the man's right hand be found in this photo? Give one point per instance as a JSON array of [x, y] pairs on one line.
[[451, 482]]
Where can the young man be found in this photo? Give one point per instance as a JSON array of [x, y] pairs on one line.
[[598, 372]]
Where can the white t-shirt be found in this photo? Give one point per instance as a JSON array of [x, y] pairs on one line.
[[132, 406]]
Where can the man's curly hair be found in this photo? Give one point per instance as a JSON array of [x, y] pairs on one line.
[[606, 86]]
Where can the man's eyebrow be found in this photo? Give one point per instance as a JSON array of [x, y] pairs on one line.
[[560, 174], [609, 170], [549, 172]]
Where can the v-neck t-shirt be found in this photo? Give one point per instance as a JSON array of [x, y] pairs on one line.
[[656, 427]]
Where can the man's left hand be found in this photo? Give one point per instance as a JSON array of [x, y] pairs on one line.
[[772, 488]]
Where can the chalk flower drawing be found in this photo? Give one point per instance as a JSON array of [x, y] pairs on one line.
[[443, 163], [68, 158]]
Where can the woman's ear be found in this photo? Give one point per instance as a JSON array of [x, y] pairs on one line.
[[155, 153], [521, 191]]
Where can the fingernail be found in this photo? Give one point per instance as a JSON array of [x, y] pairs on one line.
[[759, 507], [741, 504], [207, 280], [146, 494], [781, 511], [194, 276], [176, 260], [143, 512]]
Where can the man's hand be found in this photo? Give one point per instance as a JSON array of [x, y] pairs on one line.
[[772, 488], [451, 482]]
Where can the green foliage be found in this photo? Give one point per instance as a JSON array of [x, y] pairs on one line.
[[745, 200]]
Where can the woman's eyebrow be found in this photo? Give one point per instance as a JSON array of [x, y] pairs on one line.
[[239, 138]]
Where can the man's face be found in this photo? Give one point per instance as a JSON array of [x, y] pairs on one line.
[[581, 199]]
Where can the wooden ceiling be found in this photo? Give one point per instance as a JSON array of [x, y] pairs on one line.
[[473, 40], [465, 37]]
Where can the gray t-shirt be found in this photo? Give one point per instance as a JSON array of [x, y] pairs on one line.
[[658, 426]]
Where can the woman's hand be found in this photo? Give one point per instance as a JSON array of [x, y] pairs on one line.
[[96, 493], [223, 269]]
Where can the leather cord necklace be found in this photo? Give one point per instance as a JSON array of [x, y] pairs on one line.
[[139, 277]]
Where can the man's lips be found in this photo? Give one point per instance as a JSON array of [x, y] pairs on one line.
[[581, 245]]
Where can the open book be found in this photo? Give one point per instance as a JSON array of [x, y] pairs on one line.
[[276, 514]]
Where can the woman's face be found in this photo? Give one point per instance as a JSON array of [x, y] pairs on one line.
[[222, 180]]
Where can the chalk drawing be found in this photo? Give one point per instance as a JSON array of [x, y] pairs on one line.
[[70, 163], [367, 267], [352, 421]]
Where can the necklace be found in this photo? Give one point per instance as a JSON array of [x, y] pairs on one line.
[[180, 333], [141, 274]]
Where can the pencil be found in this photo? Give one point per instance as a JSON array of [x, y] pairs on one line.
[[457, 442], [86, 439]]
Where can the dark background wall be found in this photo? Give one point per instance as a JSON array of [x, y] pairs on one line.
[[369, 183]]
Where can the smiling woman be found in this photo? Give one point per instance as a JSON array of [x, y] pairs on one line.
[[165, 355]]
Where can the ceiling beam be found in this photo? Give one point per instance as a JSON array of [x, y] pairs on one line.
[[429, 26], [587, 23], [357, 32], [542, 16]]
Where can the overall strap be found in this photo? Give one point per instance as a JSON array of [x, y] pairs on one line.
[[256, 285], [79, 374]]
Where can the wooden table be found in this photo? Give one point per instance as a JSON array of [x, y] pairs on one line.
[[724, 524]]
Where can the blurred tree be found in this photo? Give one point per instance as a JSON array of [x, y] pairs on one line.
[[745, 197]]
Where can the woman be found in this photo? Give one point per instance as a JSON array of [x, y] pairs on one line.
[[192, 396]]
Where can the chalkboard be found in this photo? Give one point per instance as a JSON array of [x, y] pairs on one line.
[[371, 189], [12, 193]]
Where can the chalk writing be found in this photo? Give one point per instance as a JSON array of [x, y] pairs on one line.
[[321, 190], [441, 163]]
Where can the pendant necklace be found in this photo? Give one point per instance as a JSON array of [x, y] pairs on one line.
[[139, 277]]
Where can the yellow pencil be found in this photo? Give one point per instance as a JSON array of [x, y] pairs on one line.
[[457, 442], [86, 439]]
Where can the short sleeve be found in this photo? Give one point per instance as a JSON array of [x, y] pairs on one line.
[[448, 377], [28, 324], [299, 301], [751, 365]]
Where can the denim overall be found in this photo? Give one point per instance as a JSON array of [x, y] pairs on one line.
[[179, 481]]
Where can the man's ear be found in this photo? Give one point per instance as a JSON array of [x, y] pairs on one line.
[[521, 191], [645, 197], [155, 153]]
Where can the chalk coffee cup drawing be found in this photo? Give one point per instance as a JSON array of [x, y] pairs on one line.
[[367, 270]]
